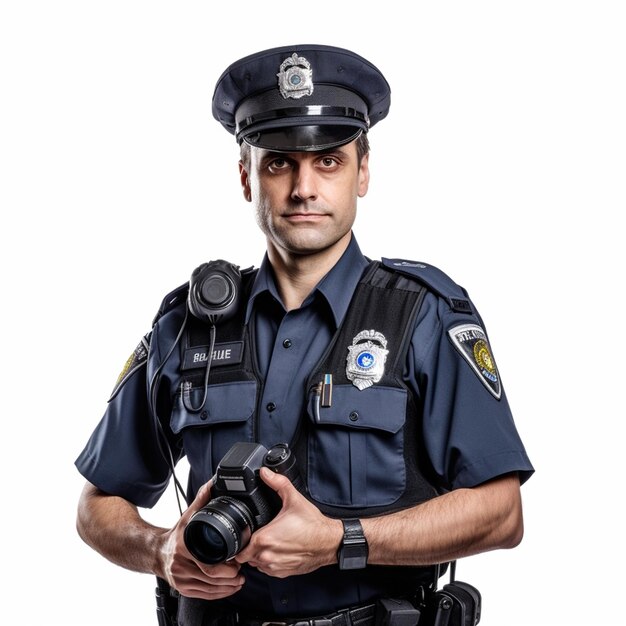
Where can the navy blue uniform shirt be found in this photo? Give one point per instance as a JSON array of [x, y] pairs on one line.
[[469, 435]]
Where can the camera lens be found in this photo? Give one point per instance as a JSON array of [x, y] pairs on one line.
[[217, 290], [208, 543], [219, 531]]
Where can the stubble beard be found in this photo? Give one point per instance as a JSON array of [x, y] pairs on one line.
[[300, 240]]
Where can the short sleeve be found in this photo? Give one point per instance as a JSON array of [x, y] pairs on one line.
[[123, 457], [468, 428]]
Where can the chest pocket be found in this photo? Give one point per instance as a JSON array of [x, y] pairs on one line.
[[226, 418], [355, 454]]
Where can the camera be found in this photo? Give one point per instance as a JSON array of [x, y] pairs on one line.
[[215, 291], [241, 502]]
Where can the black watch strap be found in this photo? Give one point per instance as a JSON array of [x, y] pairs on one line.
[[353, 551]]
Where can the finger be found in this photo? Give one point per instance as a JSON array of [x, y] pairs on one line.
[[202, 497], [279, 483], [194, 573], [244, 556], [207, 592], [211, 588], [229, 569], [204, 493], [219, 581]]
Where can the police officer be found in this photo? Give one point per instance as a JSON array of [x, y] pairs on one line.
[[379, 374]]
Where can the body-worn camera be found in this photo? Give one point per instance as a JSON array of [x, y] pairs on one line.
[[241, 502]]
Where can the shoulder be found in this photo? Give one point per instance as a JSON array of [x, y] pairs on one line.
[[457, 318], [171, 301], [434, 280], [177, 299]]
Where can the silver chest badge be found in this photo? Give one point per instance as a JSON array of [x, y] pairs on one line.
[[295, 78], [366, 359]]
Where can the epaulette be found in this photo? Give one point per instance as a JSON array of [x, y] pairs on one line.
[[172, 299], [435, 280]]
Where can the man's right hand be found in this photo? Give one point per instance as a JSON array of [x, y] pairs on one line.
[[190, 577]]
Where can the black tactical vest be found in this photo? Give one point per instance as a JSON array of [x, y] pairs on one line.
[[358, 449], [362, 452]]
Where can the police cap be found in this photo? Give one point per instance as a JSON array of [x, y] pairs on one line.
[[300, 98]]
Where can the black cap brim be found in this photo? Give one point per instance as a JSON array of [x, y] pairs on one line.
[[303, 138]]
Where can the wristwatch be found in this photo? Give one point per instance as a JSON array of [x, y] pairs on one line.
[[353, 551]]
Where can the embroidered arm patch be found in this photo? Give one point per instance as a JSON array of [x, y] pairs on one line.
[[471, 342], [137, 358]]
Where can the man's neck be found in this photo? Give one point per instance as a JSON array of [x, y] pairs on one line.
[[297, 275]]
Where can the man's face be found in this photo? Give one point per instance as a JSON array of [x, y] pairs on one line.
[[305, 202]]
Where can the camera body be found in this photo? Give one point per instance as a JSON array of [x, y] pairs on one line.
[[240, 501], [215, 291]]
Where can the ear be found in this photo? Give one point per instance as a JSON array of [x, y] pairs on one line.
[[245, 182], [364, 176]]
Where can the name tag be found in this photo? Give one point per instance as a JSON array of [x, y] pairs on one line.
[[223, 354]]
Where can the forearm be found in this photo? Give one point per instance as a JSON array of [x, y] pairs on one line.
[[301, 539], [113, 527], [457, 524]]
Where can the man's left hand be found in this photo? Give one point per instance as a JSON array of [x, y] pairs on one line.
[[299, 540]]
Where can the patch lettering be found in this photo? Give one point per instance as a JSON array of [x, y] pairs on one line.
[[471, 342], [223, 354]]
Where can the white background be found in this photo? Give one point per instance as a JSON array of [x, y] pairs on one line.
[[502, 161]]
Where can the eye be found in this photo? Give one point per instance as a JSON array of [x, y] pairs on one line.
[[328, 162], [278, 164]]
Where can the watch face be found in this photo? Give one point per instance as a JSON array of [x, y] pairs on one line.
[[353, 556]]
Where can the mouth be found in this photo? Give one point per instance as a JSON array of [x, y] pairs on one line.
[[304, 217]]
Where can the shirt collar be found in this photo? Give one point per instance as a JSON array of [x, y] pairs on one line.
[[336, 287]]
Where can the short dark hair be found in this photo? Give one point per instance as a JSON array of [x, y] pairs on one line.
[[362, 148]]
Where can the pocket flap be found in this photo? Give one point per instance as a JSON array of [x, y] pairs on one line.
[[230, 402], [377, 407]]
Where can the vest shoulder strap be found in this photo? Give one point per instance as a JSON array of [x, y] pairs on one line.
[[435, 280], [383, 309]]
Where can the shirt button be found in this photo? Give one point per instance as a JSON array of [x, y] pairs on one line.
[[287, 343], [270, 406]]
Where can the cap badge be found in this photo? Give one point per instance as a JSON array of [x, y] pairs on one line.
[[295, 78], [366, 359]]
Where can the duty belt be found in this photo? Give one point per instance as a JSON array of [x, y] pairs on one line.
[[359, 616]]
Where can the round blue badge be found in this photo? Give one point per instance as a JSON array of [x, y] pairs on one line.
[[365, 360]]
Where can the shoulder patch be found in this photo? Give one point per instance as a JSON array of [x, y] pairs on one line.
[[436, 280], [137, 358], [471, 342]]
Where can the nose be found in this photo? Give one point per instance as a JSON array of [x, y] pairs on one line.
[[304, 183]]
